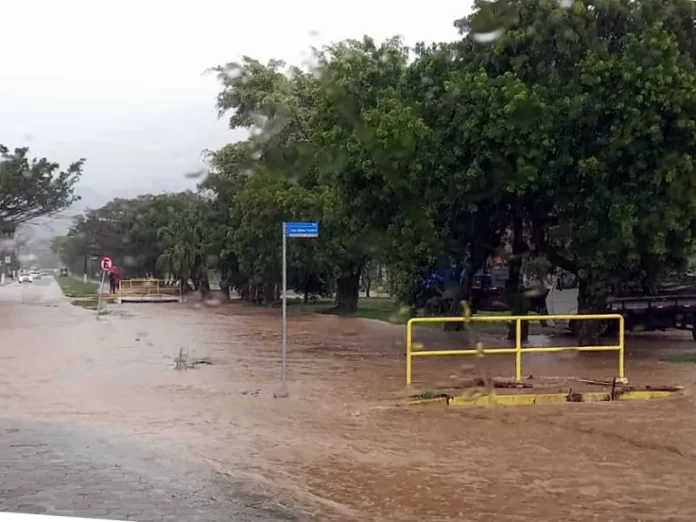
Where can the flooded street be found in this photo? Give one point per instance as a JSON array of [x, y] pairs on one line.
[[343, 445]]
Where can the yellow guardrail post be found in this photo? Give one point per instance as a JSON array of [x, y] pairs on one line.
[[518, 349], [409, 341], [622, 347]]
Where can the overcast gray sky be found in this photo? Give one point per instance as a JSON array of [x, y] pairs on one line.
[[122, 83]]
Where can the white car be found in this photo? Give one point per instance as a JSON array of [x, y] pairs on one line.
[[35, 275], [25, 278]]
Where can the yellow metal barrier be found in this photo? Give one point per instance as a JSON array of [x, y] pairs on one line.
[[147, 289], [517, 350]]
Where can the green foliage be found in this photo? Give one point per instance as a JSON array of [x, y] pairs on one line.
[[604, 145], [31, 188], [577, 121], [149, 234], [571, 125]]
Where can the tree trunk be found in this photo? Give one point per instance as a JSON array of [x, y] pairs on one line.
[[455, 306], [347, 292], [269, 293], [226, 292], [193, 276], [461, 291], [368, 284], [204, 286], [592, 299], [455, 310], [306, 297], [245, 291], [224, 281], [257, 292], [514, 286]]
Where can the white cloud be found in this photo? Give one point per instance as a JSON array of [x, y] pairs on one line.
[[122, 83]]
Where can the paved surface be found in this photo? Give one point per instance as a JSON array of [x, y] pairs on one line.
[[74, 470]]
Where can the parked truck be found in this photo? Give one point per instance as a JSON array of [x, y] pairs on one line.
[[672, 306]]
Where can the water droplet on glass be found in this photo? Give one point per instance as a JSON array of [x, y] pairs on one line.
[[489, 37]]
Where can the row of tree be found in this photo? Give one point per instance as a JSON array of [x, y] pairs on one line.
[[563, 130]]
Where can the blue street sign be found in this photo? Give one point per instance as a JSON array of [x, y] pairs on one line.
[[92, 257], [302, 229]]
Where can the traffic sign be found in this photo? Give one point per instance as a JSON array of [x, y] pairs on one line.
[[302, 229], [105, 263]]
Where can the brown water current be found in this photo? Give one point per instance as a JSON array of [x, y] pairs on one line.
[[343, 445]]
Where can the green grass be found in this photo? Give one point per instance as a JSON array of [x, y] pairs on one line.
[[685, 357], [73, 287], [85, 295]]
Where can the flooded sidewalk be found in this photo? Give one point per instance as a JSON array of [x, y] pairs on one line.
[[343, 445]]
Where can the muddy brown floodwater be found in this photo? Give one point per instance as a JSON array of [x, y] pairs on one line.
[[343, 446]]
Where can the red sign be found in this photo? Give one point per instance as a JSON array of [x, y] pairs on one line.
[[105, 263]]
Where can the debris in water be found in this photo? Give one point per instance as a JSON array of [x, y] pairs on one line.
[[282, 393]]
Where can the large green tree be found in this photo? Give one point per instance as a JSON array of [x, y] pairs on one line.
[[33, 187], [608, 89]]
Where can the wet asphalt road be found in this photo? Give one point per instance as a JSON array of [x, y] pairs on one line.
[[75, 469], [70, 470]]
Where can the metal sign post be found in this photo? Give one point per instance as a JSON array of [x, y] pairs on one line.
[[284, 370], [101, 291], [105, 264], [290, 229]]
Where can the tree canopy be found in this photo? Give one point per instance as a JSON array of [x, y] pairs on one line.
[[31, 187], [551, 130]]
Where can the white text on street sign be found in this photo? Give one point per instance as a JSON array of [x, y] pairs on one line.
[[302, 229]]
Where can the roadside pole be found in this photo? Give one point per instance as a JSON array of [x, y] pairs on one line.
[[284, 371], [101, 291], [105, 263], [290, 229]]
